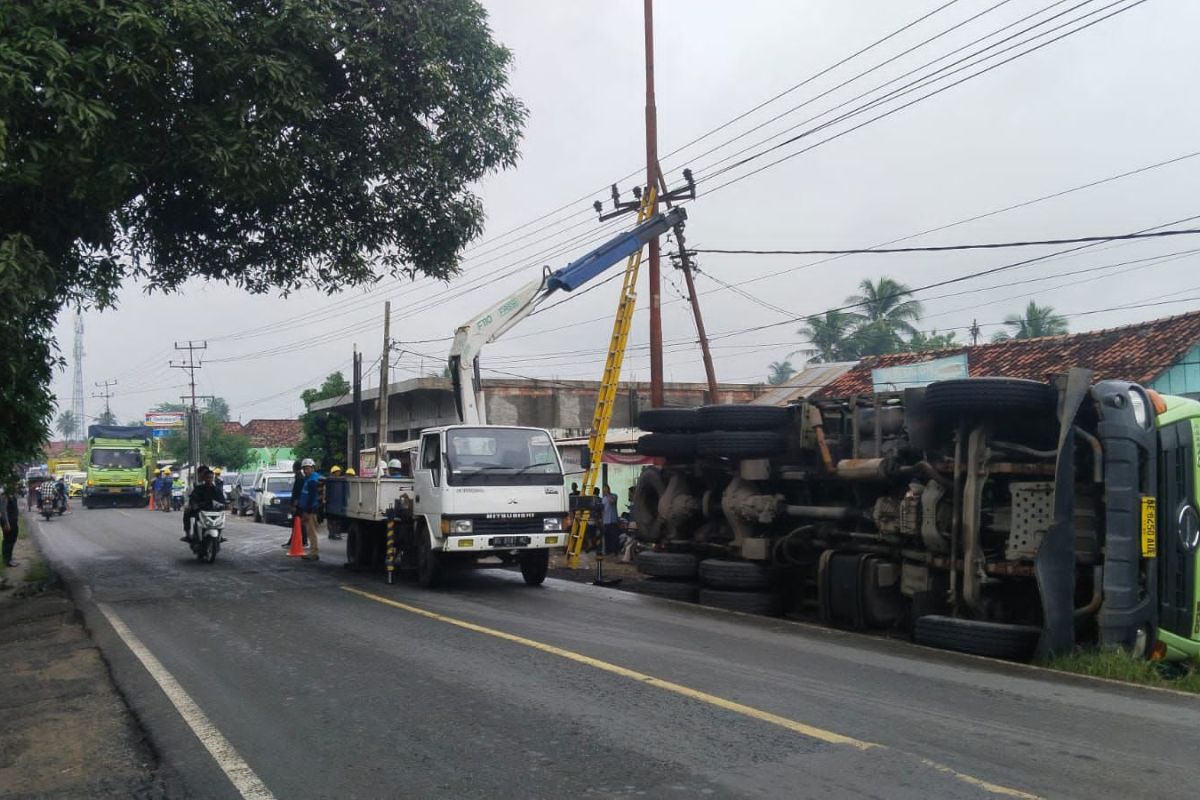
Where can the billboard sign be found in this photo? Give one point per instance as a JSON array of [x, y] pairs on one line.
[[907, 376], [165, 419]]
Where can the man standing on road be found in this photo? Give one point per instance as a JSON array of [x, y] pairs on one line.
[[611, 522], [297, 486], [11, 514], [310, 503]]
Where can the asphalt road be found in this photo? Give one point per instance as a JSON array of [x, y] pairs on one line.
[[262, 676]]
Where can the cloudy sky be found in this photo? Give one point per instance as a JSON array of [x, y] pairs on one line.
[[1112, 98]]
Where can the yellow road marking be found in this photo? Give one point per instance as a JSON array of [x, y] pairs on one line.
[[811, 731]]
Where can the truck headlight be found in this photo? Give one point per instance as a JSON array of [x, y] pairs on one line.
[[461, 526], [552, 524], [1141, 409], [274, 501]]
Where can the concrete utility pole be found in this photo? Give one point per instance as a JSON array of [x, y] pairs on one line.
[[356, 422], [384, 375], [655, 275], [193, 428], [106, 395]]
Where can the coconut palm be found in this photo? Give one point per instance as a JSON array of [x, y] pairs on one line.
[[888, 312], [780, 371], [1034, 322], [829, 336], [67, 425]]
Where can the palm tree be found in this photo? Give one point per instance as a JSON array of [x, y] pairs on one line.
[[67, 425], [106, 417], [829, 336], [887, 312], [780, 371], [1035, 322], [931, 341]]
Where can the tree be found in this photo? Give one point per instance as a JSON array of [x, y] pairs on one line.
[[267, 145], [67, 425], [829, 337], [933, 340], [219, 408], [780, 372], [1034, 322], [888, 312], [106, 417], [324, 438], [216, 446]]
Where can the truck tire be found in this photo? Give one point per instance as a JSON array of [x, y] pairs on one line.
[[668, 588], [257, 515], [741, 444], [358, 549], [991, 639], [745, 602], [668, 445], [428, 562], [646, 494], [666, 565], [742, 417], [534, 565], [716, 573], [669, 420], [989, 395]]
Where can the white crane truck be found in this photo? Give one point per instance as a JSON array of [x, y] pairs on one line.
[[475, 490]]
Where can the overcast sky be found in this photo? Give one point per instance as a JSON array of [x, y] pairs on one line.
[[1113, 98]]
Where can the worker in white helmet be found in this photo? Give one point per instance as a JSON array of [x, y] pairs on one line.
[[395, 469]]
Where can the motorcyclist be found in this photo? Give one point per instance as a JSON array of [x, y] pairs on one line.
[[202, 497], [60, 491]]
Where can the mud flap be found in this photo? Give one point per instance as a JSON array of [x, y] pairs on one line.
[[1055, 563]]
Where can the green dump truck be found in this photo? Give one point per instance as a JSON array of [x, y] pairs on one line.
[[993, 516], [118, 465]]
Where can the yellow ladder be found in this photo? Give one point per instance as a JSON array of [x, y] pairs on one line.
[[608, 387]]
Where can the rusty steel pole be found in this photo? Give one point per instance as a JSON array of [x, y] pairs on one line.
[[655, 276]]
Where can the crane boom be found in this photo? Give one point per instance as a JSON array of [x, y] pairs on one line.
[[487, 327]]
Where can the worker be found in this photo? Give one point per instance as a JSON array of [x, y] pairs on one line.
[[350, 473], [310, 503], [217, 480], [395, 469], [335, 470]]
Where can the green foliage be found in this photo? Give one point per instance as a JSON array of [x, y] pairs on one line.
[[779, 372], [1118, 665], [922, 341], [1034, 322], [268, 145], [106, 417], [324, 439], [67, 425], [829, 336], [219, 409], [881, 327], [217, 447]]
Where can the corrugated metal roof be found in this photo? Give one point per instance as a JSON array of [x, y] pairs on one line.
[[804, 383]]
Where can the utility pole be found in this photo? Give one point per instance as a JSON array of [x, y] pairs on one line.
[[384, 375], [655, 275], [191, 366], [106, 395], [685, 264], [974, 332], [356, 421]]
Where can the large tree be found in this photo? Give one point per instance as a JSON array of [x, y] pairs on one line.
[[324, 439], [829, 337], [216, 446], [67, 425], [265, 143], [106, 417], [887, 313], [779, 372], [1035, 321]]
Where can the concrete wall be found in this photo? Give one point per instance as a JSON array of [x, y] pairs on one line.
[[1182, 377]]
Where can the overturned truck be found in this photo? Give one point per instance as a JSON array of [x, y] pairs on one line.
[[994, 516]]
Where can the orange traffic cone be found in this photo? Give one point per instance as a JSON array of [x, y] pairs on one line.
[[152, 501], [297, 546]]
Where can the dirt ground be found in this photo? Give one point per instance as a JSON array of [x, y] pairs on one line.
[[65, 732]]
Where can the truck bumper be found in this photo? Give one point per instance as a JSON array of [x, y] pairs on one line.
[[1179, 648], [488, 543]]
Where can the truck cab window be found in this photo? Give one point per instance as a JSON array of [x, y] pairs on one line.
[[431, 458]]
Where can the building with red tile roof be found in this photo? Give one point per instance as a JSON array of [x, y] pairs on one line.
[[268, 432], [1163, 354]]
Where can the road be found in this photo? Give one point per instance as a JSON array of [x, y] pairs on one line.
[[305, 680]]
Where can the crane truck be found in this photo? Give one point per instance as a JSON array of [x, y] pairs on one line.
[[474, 490], [994, 516]]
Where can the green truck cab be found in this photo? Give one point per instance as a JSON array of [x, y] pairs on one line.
[[118, 465]]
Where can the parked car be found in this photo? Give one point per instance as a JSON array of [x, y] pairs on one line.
[[273, 498], [242, 493], [228, 481]]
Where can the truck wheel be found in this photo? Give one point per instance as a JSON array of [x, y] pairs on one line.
[[719, 574], [984, 395], [427, 561], [257, 515], [667, 445], [745, 602], [534, 564], [669, 420], [668, 588], [742, 417], [741, 444], [666, 565], [991, 639]]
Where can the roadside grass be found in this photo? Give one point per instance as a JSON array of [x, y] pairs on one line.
[[1120, 666], [38, 573]]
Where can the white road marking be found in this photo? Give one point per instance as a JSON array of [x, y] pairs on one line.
[[238, 771]]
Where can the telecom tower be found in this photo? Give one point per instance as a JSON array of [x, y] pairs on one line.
[[77, 391]]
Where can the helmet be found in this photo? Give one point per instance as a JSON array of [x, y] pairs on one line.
[[395, 464], [167, 471], [350, 471], [308, 462], [335, 470], [216, 470]]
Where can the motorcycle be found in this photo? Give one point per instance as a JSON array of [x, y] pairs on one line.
[[207, 527], [176, 498], [55, 503]]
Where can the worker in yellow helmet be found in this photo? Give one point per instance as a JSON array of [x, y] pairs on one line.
[[335, 470], [350, 472]]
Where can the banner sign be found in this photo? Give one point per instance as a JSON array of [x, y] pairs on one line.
[[895, 379], [166, 419]]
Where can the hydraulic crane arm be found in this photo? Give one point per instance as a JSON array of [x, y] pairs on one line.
[[470, 338]]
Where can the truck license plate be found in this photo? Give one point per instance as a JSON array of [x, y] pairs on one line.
[[1149, 527], [509, 541]]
